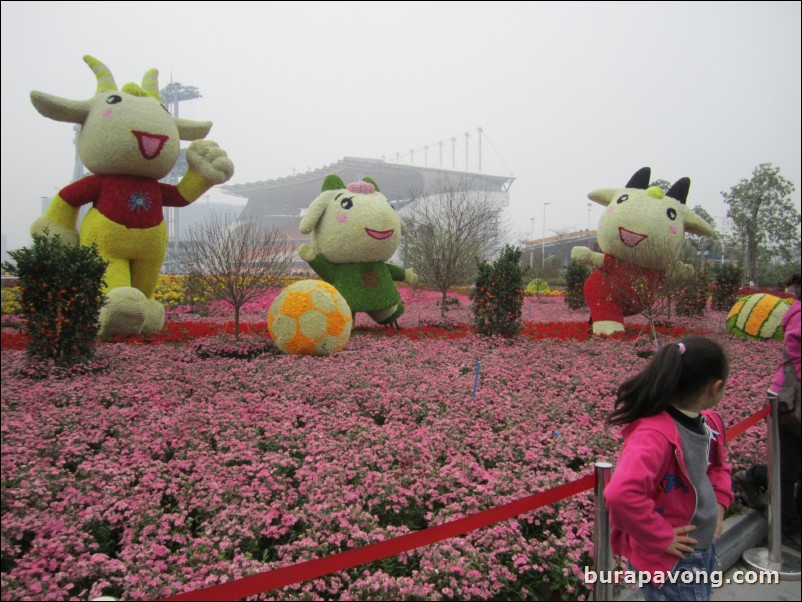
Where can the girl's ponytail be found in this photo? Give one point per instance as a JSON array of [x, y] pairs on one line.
[[677, 372]]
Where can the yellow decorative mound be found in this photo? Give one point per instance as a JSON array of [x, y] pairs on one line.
[[310, 317], [758, 316]]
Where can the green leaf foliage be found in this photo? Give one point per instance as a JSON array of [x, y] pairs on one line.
[[61, 287], [726, 282], [498, 295], [575, 275]]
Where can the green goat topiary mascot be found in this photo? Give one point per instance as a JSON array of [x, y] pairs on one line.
[[354, 232]]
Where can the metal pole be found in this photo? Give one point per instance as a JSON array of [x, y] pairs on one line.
[[543, 242], [480, 150], [774, 558], [603, 557], [453, 153]]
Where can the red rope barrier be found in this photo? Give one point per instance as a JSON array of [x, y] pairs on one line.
[[747, 423], [311, 569]]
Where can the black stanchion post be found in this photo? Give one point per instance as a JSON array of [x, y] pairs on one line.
[[603, 562]]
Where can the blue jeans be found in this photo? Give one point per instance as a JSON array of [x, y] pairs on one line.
[[689, 584]]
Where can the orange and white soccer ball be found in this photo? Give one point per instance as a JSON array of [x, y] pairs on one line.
[[310, 317]]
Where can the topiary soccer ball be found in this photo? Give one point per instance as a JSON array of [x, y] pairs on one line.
[[758, 316], [310, 317]]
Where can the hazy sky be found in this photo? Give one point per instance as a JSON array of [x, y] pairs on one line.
[[572, 96]]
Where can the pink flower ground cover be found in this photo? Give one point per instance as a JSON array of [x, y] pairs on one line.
[[167, 473]]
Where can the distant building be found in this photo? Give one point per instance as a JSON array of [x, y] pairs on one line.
[[559, 245], [282, 201]]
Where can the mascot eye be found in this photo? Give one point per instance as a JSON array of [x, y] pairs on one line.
[[622, 198], [347, 203], [114, 99], [671, 213]]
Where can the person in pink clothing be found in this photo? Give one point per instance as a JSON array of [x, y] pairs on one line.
[[753, 482], [672, 483]]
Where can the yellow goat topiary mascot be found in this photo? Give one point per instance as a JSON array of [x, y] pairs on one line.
[[129, 142]]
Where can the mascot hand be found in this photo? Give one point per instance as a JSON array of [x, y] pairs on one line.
[[210, 161], [581, 254], [410, 277], [307, 252], [44, 226]]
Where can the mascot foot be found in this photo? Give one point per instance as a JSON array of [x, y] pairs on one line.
[[607, 327], [388, 316], [154, 317], [124, 312]]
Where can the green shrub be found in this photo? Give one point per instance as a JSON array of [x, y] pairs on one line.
[[575, 275], [61, 295], [498, 294], [726, 282], [693, 298]]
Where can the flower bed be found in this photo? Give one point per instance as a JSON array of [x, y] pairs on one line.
[[167, 472]]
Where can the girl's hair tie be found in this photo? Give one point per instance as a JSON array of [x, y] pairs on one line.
[[681, 347]]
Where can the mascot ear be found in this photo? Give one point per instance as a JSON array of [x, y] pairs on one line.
[[696, 225], [604, 196], [192, 130], [332, 182], [679, 190], [372, 181], [60, 109], [640, 179]]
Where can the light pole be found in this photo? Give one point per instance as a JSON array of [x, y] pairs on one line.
[[589, 205], [543, 241], [531, 250]]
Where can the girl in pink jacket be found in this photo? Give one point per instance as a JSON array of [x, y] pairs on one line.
[[671, 485]]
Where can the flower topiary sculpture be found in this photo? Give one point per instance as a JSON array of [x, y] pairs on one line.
[[758, 316], [354, 232], [310, 317], [640, 235], [129, 142]]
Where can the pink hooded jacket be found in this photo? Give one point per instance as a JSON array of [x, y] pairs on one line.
[[650, 492], [792, 323]]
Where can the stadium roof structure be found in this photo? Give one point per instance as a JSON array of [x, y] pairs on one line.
[[281, 201]]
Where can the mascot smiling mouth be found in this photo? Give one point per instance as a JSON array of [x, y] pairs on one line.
[[630, 238], [150, 145], [379, 234]]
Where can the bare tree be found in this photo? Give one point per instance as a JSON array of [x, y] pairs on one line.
[[234, 260], [445, 230]]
